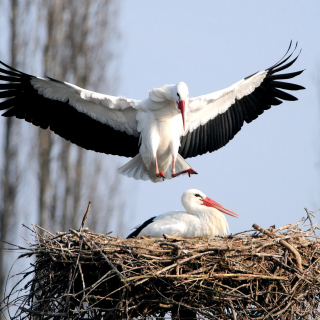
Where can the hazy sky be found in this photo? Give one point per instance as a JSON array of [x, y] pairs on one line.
[[269, 172]]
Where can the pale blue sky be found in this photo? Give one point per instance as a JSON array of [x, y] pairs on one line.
[[269, 172]]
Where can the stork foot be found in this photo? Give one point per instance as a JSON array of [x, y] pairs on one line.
[[189, 172], [160, 175]]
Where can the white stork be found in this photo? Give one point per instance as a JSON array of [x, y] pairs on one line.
[[160, 131], [203, 218]]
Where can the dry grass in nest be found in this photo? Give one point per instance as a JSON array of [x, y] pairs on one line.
[[257, 274]]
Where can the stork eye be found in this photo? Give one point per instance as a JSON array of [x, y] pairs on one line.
[[178, 95], [197, 195]]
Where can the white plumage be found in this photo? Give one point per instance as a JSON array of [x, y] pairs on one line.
[[203, 218], [158, 132]]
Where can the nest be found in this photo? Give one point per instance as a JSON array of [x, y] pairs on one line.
[[257, 274]]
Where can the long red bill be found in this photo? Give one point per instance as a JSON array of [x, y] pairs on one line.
[[181, 106], [210, 203]]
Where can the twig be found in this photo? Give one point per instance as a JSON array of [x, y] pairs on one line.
[[312, 226], [85, 216], [282, 242], [43, 229], [44, 313], [103, 255], [237, 276]]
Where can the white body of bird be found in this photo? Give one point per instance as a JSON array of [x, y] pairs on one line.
[[160, 127], [203, 218]]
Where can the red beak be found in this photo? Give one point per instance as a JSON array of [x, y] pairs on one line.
[[181, 106], [210, 203]]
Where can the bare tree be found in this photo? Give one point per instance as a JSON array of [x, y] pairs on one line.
[[74, 42], [10, 174], [79, 56]]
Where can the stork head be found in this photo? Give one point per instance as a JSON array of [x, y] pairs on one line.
[[194, 200], [181, 95]]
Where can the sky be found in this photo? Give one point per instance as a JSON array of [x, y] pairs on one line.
[[270, 171]]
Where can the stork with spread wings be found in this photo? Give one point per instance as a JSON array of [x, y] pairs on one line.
[[159, 132]]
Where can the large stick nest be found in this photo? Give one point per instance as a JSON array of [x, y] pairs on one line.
[[258, 274]]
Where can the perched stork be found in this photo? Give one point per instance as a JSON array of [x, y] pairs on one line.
[[203, 218], [160, 131]]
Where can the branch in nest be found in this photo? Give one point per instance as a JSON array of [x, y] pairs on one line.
[[282, 242], [85, 216]]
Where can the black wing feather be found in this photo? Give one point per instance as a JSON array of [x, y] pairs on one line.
[[4, 86], [136, 232], [24, 102], [286, 85], [284, 66], [220, 130], [7, 78]]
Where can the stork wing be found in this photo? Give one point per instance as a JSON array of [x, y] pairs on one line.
[[214, 119], [140, 227], [91, 120], [174, 223]]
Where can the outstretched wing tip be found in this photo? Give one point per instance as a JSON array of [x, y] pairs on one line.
[[285, 58], [46, 103], [7, 66], [224, 125]]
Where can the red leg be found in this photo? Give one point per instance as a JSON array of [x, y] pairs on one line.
[[189, 172], [159, 174], [174, 174]]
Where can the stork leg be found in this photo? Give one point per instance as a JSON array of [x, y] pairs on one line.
[[159, 174], [174, 174]]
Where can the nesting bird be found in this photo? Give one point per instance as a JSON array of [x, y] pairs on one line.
[[203, 218]]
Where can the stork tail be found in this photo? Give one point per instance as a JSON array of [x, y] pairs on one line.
[[136, 169]]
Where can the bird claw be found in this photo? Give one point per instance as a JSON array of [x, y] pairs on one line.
[[191, 171], [160, 175]]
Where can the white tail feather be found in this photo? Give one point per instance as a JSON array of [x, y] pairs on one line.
[[137, 170]]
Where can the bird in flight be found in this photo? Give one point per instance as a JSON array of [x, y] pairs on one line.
[[203, 218], [159, 132]]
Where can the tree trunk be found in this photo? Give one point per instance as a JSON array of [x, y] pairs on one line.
[[45, 145], [10, 178]]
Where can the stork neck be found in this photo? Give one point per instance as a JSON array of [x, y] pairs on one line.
[[213, 221]]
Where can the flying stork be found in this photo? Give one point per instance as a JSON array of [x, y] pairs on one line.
[[158, 132], [203, 218]]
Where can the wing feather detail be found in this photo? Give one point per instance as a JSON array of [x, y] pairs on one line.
[[214, 119], [91, 120], [139, 228]]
